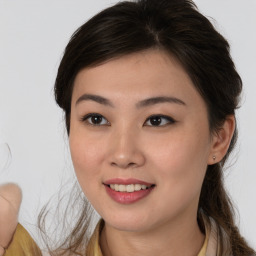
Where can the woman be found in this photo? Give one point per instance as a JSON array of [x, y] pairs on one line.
[[149, 92]]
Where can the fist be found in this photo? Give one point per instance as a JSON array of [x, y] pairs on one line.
[[10, 200]]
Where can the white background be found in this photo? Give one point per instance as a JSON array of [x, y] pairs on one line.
[[33, 35]]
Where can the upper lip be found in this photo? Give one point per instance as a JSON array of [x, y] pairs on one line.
[[126, 181]]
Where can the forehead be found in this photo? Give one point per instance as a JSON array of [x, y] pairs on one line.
[[134, 76]]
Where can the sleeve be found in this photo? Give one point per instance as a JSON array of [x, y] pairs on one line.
[[22, 244]]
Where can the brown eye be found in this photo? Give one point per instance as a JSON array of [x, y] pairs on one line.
[[95, 119], [155, 120], [159, 120]]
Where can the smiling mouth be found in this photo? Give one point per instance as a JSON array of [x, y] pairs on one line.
[[130, 188]]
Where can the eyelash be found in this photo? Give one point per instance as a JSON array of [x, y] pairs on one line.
[[86, 117], [169, 120]]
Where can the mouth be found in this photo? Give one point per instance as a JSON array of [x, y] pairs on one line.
[[130, 188], [128, 191]]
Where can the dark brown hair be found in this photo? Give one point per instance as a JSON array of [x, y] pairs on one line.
[[179, 29]]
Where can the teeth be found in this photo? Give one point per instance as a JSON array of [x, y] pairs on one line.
[[128, 188], [137, 187], [122, 188], [143, 186]]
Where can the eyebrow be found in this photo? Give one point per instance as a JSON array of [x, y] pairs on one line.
[[96, 98], [140, 104], [159, 99]]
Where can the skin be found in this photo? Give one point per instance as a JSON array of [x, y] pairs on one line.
[[173, 155], [10, 200]]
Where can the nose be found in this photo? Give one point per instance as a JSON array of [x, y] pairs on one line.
[[125, 151]]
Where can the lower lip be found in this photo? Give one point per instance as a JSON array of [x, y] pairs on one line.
[[128, 197]]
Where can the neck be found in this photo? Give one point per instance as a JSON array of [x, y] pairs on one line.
[[178, 238]]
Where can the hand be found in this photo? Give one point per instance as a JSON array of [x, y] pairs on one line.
[[10, 200]]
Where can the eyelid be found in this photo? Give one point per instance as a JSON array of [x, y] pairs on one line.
[[87, 116], [170, 120]]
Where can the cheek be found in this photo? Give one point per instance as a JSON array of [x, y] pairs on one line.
[[181, 159], [180, 149], [86, 157], [180, 174]]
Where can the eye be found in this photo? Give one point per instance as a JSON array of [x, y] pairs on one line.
[[95, 119], [159, 120]]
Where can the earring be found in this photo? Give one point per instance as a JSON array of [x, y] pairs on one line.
[[214, 158]]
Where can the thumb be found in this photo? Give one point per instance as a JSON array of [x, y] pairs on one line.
[[10, 200]]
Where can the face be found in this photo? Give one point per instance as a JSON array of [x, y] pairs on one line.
[[140, 140]]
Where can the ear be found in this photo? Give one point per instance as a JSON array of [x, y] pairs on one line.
[[221, 140]]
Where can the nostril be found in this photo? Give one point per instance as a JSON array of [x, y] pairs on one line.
[[126, 159], [123, 164]]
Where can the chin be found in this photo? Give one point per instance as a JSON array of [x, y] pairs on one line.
[[129, 223]]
